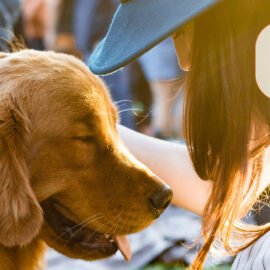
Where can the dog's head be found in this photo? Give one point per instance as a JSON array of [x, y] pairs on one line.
[[64, 173]]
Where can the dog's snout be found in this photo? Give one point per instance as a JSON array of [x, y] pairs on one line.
[[161, 199]]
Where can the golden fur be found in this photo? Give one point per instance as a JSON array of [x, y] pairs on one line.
[[59, 144]]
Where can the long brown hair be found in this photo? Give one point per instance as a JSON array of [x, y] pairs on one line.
[[223, 105]]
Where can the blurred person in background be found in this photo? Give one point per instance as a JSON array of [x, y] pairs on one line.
[[34, 20], [60, 36], [47, 25], [9, 13], [161, 69]]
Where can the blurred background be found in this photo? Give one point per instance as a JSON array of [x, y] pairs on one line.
[[148, 94]]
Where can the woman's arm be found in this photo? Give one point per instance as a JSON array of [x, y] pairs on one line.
[[171, 162]]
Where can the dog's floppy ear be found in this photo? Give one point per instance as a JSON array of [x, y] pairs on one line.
[[20, 213]]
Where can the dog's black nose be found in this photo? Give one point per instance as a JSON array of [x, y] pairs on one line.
[[161, 199]]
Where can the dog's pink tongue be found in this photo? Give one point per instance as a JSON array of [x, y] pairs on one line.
[[124, 246]]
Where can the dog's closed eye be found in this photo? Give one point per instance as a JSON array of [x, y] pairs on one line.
[[85, 139]]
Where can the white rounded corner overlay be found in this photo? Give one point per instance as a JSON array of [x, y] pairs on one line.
[[263, 61]]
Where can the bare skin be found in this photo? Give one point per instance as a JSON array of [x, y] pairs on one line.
[[182, 42]]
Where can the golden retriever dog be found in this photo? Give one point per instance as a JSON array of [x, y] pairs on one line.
[[66, 179]]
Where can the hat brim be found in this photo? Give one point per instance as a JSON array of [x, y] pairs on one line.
[[137, 26]]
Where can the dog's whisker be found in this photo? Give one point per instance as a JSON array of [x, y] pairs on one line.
[[72, 228], [87, 221], [101, 226], [83, 226], [112, 114], [111, 231], [152, 111], [112, 228], [123, 100], [144, 118], [130, 110], [120, 219]]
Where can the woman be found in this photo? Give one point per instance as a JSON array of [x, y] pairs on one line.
[[226, 116]]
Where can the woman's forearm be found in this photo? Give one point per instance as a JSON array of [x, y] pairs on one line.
[[171, 162]]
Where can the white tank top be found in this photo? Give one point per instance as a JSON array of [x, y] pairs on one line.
[[254, 257]]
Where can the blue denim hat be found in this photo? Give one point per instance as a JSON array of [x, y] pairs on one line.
[[137, 26]]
